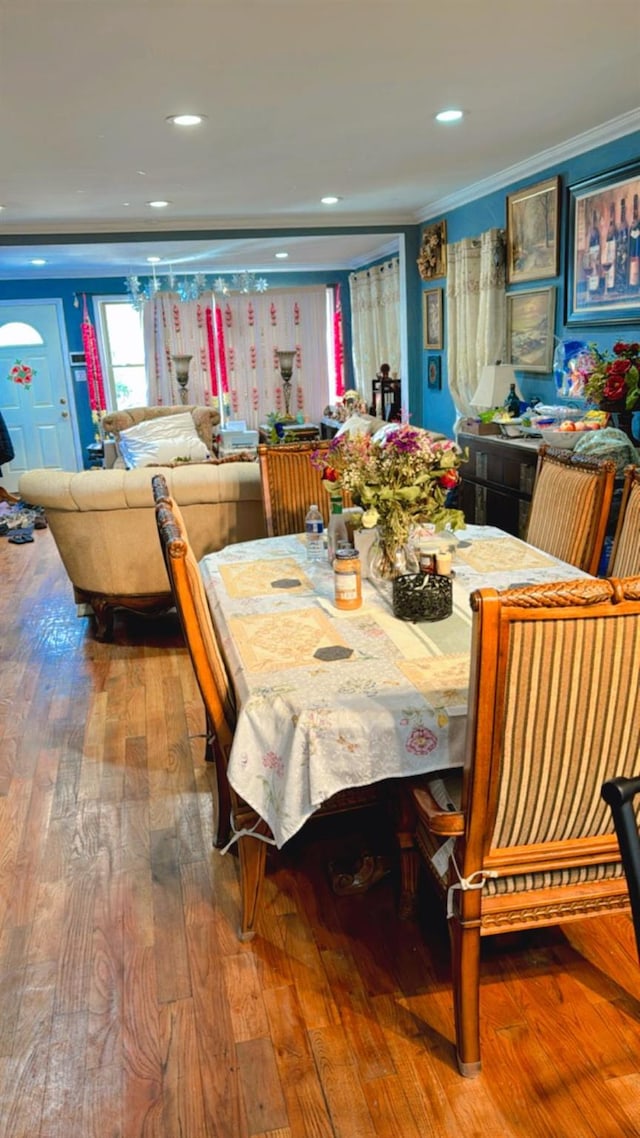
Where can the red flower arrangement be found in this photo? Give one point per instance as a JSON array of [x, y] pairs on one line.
[[617, 379]]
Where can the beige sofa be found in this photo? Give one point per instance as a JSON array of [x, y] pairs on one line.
[[103, 523]]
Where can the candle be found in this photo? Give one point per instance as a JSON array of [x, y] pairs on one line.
[[444, 563]]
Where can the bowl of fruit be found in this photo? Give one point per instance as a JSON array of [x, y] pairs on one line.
[[567, 433]]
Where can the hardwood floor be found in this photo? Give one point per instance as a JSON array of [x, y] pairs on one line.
[[128, 1008]]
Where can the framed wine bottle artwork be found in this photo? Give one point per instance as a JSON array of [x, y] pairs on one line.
[[603, 270]]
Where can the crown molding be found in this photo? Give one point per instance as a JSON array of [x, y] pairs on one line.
[[589, 140]]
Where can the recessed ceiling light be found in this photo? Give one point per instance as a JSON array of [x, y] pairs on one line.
[[282, 256], [449, 116], [1, 207], [38, 261], [330, 200], [153, 260], [158, 204], [185, 120]]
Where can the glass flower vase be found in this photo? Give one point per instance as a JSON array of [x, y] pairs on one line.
[[387, 559]]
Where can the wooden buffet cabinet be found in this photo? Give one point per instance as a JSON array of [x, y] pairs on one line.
[[497, 481]]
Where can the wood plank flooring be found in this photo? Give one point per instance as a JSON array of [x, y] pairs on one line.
[[129, 1009]]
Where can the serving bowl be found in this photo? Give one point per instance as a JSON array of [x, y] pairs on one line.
[[565, 439]]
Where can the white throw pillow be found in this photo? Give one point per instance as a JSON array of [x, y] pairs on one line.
[[165, 439], [358, 424], [162, 427]]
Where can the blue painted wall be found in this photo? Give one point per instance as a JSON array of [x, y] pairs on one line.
[[66, 291], [476, 217]]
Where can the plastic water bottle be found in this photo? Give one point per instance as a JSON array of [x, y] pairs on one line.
[[314, 528]]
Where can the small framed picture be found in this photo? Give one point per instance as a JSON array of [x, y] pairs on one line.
[[432, 318], [434, 375], [530, 324]]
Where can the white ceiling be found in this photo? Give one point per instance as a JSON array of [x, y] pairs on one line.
[[302, 99]]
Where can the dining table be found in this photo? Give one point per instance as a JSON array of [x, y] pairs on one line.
[[330, 700]]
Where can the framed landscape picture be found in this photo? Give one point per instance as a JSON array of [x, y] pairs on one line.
[[603, 270], [533, 216], [432, 318], [530, 325]]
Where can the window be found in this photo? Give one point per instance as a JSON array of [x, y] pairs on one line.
[[18, 335], [122, 351]]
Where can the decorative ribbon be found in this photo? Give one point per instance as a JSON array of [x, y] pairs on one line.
[[222, 352], [211, 347], [338, 348], [95, 382]]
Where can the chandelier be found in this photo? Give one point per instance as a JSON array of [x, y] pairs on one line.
[[192, 287]]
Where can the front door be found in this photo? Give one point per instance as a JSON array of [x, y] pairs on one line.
[[40, 418]]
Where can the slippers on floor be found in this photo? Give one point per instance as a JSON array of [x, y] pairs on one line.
[[20, 538]]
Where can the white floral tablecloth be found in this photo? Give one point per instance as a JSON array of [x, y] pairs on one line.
[[330, 700]]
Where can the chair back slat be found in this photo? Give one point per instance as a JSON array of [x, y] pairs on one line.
[[570, 506], [625, 552]]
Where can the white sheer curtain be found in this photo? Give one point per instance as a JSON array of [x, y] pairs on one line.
[[251, 329], [176, 328], [476, 312], [375, 322]]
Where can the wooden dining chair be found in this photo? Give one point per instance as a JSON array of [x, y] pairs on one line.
[[521, 838], [570, 506], [218, 698], [625, 551], [290, 483]]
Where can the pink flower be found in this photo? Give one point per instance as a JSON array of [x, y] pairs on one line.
[[421, 741], [273, 762]]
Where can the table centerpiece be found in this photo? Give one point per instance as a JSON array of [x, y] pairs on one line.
[[400, 480]]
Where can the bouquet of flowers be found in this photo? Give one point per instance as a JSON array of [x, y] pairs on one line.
[[400, 481], [615, 379]]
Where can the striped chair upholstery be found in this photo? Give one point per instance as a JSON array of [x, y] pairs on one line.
[[290, 483], [570, 506], [554, 711], [625, 553]]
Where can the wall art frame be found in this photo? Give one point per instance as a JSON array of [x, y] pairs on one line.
[[434, 373], [432, 258], [603, 280], [530, 328], [432, 321], [533, 232]]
